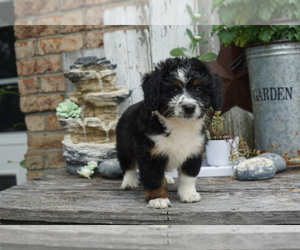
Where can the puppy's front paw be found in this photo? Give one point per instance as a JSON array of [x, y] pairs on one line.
[[134, 183], [130, 180], [159, 203], [189, 197]]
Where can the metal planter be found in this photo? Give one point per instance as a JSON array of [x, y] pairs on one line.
[[274, 74]]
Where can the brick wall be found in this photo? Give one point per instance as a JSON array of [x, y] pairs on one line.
[[39, 63], [42, 86]]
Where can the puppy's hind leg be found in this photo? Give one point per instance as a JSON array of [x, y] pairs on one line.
[[130, 179]]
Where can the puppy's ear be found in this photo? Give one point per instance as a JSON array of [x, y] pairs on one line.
[[217, 94], [151, 89]]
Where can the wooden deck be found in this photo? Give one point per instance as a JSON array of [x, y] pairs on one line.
[[61, 198]]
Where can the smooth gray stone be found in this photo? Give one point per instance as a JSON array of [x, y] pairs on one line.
[[278, 160], [110, 169], [257, 168]]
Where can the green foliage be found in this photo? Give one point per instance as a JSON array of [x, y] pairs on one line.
[[8, 89], [256, 11], [242, 35], [196, 40], [215, 127]]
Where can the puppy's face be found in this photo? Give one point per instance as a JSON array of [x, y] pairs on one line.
[[183, 88], [185, 94]]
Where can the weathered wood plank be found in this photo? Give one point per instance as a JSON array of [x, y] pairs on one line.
[[137, 14], [149, 237], [63, 198], [164, 38], [168, 12], [130, 50]]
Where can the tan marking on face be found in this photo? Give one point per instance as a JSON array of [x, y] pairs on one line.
[[178, 83], [197, 81], [160, 192]]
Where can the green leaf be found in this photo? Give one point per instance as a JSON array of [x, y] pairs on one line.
[[227, 36], [190, 12], [178, 52], [209, 56], [190, 34], [265, 35], [265, 13], [217, 3], [200, 44], [22, 164], [227, 14]]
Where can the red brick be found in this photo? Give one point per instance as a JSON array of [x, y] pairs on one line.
[[49, 64], [45, 140], [71, 4], [68, 18], [60, 44], [55, 159], [25, 49], [31, 104], [47, 30], [47, 6], [94, 16], [52, 83], [26, 67], [28, 86], [35, 123], [53, 123], [35, 160], [94, 27], [94, 39], [71, 28], [25, 8], [25, 31]]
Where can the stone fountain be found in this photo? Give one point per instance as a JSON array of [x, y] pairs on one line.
[[91, 137]]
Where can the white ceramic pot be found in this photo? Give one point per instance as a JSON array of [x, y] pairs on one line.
[[218, 151]]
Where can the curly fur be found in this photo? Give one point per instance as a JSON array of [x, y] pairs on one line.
[[166, 129]]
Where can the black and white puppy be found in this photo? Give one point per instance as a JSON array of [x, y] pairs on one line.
[[166, 130]]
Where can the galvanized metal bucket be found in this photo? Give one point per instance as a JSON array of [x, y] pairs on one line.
[[274, 73]]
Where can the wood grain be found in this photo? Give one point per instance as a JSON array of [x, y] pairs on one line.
[[61, 198], [149, 237]]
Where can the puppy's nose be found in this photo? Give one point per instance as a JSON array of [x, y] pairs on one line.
[[189, 108]]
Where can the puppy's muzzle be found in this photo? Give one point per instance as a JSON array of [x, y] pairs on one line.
[[189, 108]]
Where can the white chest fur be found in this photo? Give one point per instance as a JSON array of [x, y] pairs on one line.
[[185, 140]]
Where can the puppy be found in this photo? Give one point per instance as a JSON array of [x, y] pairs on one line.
[[166, 130]]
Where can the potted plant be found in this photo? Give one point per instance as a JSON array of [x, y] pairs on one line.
[[222, 148], [273, 56]]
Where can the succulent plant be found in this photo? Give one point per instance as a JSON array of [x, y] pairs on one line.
[[68, 109], [85, 172], [88, 170]]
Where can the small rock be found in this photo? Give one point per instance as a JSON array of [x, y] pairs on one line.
[[258, 168], [111, 169], [278, 160]]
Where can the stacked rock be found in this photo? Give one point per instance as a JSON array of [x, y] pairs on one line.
[[91, 136]]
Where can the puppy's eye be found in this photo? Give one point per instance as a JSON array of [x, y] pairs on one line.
[[175, 90], [197, 90]]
